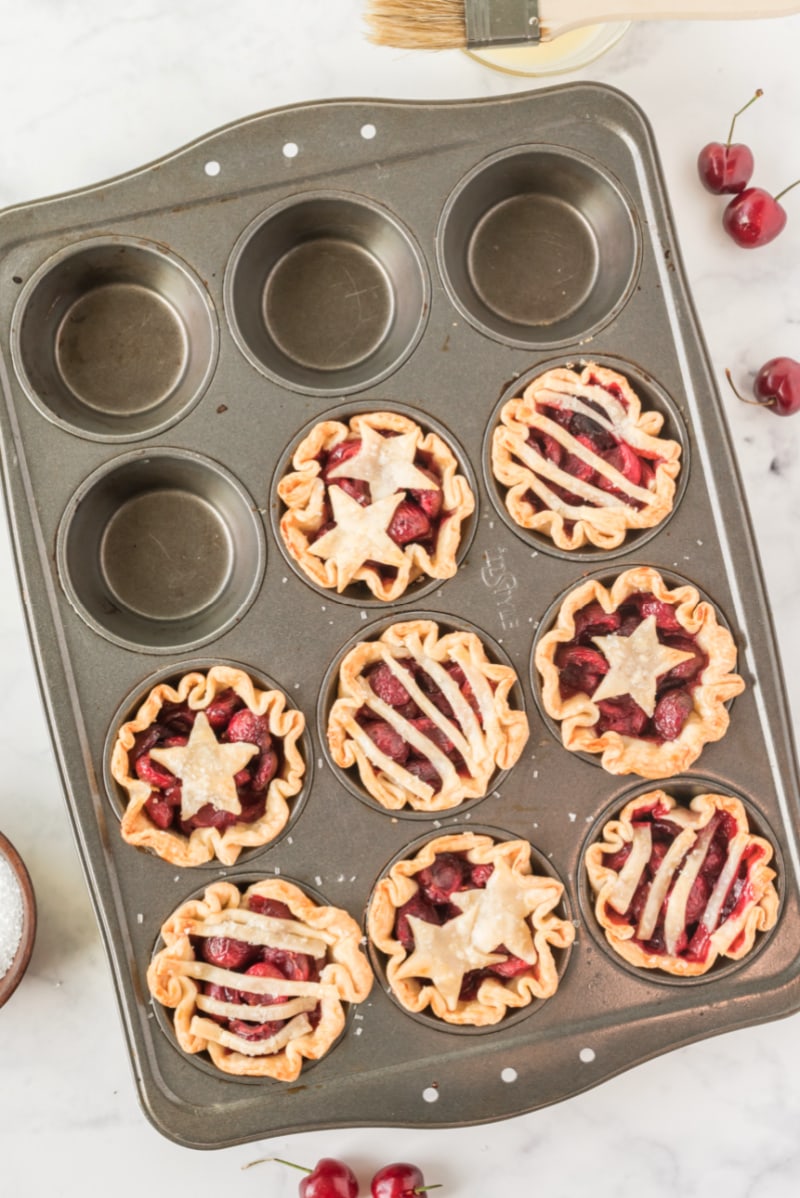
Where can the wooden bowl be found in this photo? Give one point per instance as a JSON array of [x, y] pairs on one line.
[[16, 970]]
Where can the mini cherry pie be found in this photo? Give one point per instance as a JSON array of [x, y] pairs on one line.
[[258, 979], [425, 718], [582, 462], [639, 673], [208, 766], [468, 929], [375, 501], [676, 887]]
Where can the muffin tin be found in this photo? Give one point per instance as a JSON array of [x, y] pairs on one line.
[[166, 339]]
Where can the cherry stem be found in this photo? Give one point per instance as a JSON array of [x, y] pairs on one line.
[[265, 1160], [752, 100], [759, 403], [789, 188]]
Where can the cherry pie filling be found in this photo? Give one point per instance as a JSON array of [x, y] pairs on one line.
[[717, 893], [232, 721], [387, 687], [448, 874], [582, 666], [418, 518], [636, 465], [255, 961]]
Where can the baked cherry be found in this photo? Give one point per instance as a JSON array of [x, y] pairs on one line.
[[725, 169], [776, 386], [328, 1179], [399, 1180], [754, 217]]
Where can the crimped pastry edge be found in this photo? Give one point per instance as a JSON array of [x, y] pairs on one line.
[[302, 491], [507, 745], [761, 916], [495, 997], [623, 754], [198, 688], [347, 976], [605, 528]]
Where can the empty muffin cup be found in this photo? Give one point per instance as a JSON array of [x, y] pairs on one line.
[[114, 339], [161, 550], [538, 246], [326, 293]]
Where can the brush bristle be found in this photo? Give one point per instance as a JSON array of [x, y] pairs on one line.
[[417, 24]]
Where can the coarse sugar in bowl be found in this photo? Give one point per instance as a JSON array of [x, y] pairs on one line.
[[17, 919]]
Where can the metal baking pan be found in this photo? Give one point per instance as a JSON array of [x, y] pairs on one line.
[[166, 336]]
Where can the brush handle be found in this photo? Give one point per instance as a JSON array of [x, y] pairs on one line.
[[557, 16]]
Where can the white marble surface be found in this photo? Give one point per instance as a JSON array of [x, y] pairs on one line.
[[90, 90]]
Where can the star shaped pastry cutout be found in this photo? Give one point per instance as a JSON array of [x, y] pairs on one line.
[[444, 954], [386, 463], [501, 910], [636, 662], [359, 536], [206, 768]]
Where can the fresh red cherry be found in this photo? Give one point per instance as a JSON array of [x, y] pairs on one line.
[[328, 1179], [399, 1180], [726, 169], [754, 217], [776, 386]]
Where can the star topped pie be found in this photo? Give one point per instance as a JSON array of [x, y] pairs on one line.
[[677, 887], [424, 718], [208, 766], [258, 978], [375, 502], [582, 462], [638, 673], [468, 929]]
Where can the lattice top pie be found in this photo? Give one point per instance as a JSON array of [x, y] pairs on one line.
[[638, 673], [468, 928], [208, 766], [582, 462], [678, 886], [376, 501], [257, 978], [425, 718]]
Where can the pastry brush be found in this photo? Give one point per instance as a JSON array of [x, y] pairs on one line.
[[445, 24]]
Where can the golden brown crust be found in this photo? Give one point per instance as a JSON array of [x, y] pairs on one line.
[[495, 995], [604, 519], [303, 492], [732, 938], [345, 977], [198, 690], [496, 744], [707, 722]]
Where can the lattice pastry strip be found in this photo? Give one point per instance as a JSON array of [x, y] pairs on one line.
[[176, 978], [489, 738], [198, 690], [578, 713], [596, 501], [513, 912], [679, 908], [359, 547]]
